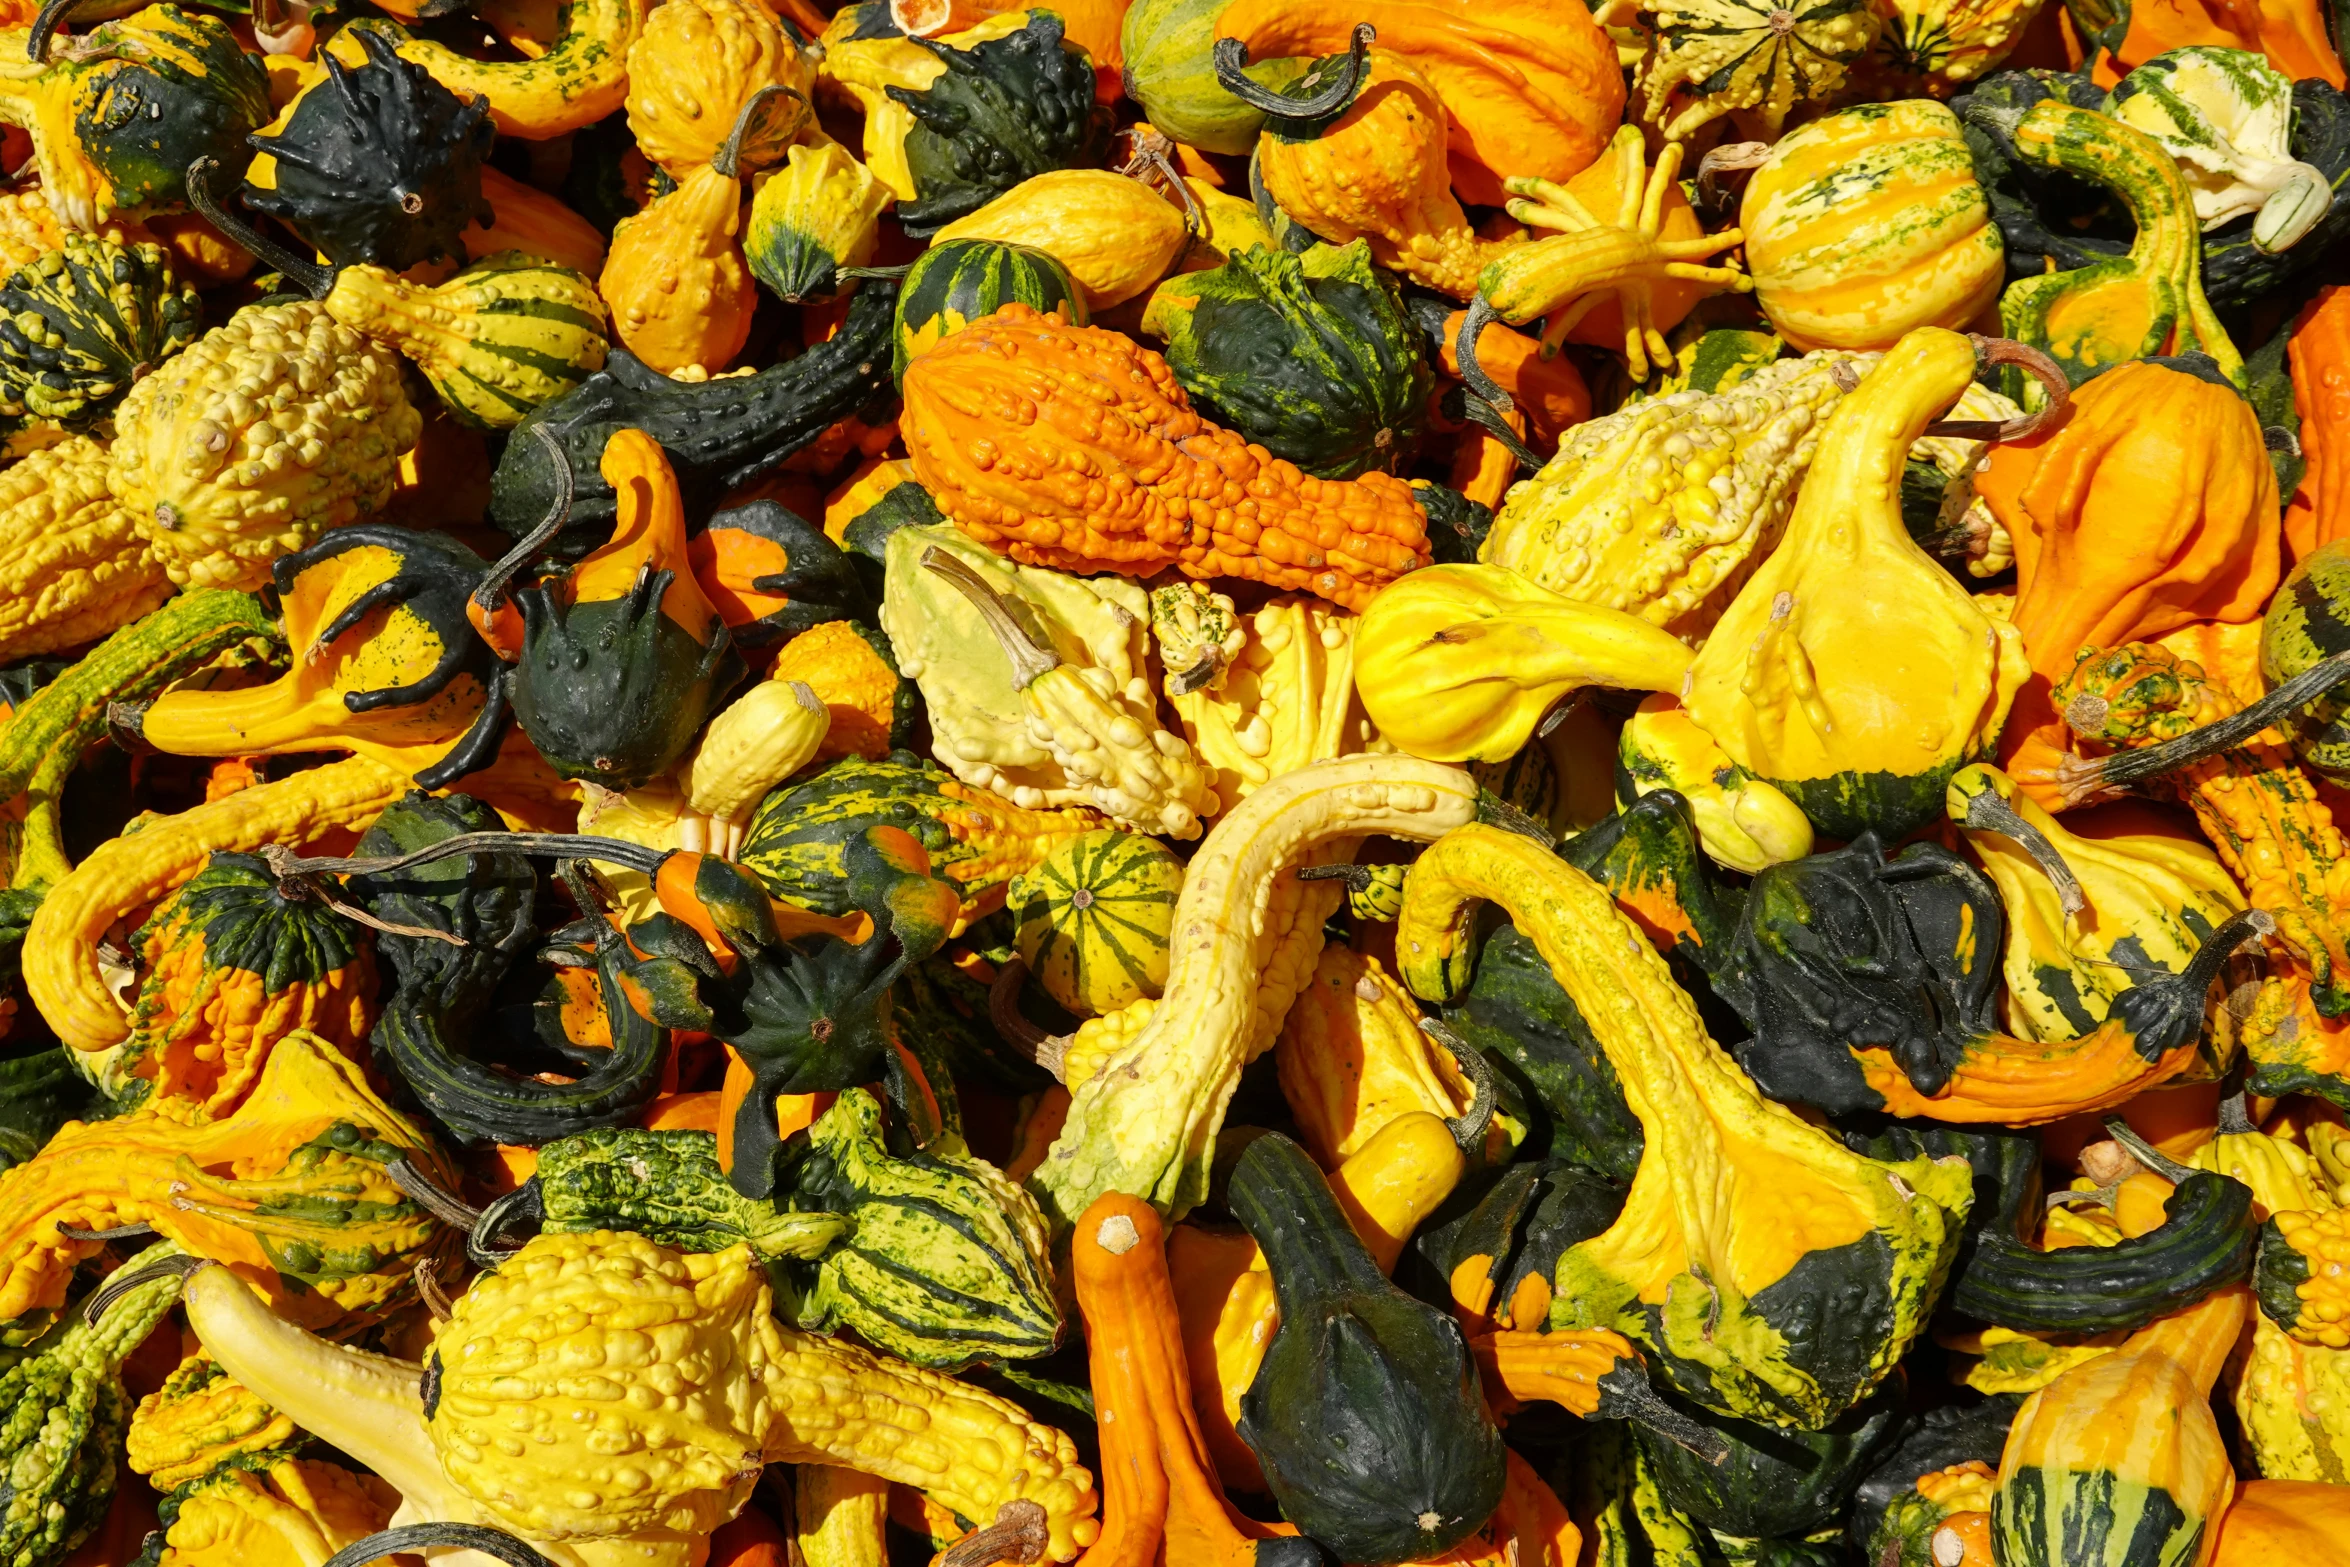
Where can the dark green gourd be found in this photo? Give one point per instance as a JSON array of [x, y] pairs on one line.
[[1773, 1483], [79, 324], [1366, 1413], [1003, 111]]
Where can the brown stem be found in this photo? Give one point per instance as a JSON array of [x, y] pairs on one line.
[[431, 1196], [1991, 352], [1029, 659], [1987, 812], [1019, 1534], [1738, 157], [2080, 777], [1003, 1010]]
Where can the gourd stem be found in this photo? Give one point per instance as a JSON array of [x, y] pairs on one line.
[[1464, 349], [1988, 812], [1468, 1128], [1991, 352], [419, 1537], [431, 1196], [1003, 1010], [2123, 768], [1019, 1534], [1480, 412], [1356, 877], [123, 1280], [2235, 1115], [283, 862], [2146, 1153], [486, 1244], [493, 581], [121, 1232], [52, 16], [728, 162], [1640, 1405], [1150, 166], [1029, 660], [1740, 157], [308, 276], [1231, 58]]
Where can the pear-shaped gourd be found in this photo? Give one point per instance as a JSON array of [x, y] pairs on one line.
[[1852, 671]]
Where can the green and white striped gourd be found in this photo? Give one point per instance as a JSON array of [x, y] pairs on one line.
[[1096, 917]]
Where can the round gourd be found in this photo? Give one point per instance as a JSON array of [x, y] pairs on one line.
[[1869, 223], [957, 281], [2308, 622], [1171, 71], [80, 323], [1095, 917]]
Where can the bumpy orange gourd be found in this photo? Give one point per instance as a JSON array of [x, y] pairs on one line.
[[1529, 87], [1074, 448], [676, 282], [2151, 507], [2320, 354]]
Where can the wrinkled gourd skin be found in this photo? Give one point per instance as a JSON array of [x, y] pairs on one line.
[[1750, 58], [77, 562], [1010, 421], [1740, 1310], [266, 433], [199, 1421], [1630, 513], [747, 1391], [285, 1515], [1851, 671]]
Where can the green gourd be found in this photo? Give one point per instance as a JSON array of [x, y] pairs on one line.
[[957, 281], [78, 325]]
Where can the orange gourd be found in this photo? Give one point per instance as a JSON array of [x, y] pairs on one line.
[[2292, 33], [2320, 354], [1549, 391], [2152, 507], [1529, 87], [1074, 448], [2298, 1521]]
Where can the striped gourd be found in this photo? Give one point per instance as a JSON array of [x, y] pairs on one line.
[[2309, 621], [1095, 918], [957, 281]]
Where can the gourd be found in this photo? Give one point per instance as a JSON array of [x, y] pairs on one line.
[[1548, 393], [2280, 1520], [818, 213], [39, 1092], [1352, 1058], [1004, 109], [959, 281], [620, 658], [1595, 257], [525, 218], [301, 1208], [842, 1517], [1494, 1265], [2127, 1440], [1772, 1483], [378, 164], [200, 94], [797, 841], [290, 1510], [82, 568], [2298, 1275], [1868, 223], [2320, 513], [2225, 116], [384, 664], [1849, 618], [844, 1404], [695, 67], [1528, 89], [1170, 70], [2305, 624], [2195, 508], [2148, 302], [579, 76], [1092, 919], [62, 975], [1689, 1280], [1940, 1464], [1931, 48], [1420, 1464], [1743, 823], [263, 434], [1310, 356], [231, 965], [1736, 57], [2112, 906], [1680, 555], [772, 574], [1146, 1122], [1460, 663], [1105, 741], [1340, 539], [863, 53], [1115, 235], [69, 1406], [754, 743], [80, 323], [718, 434], [1376, 173]]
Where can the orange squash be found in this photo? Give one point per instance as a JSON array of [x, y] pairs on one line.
[[2292, 33], [2320, 355], [1549, 390], [2277, 1521]]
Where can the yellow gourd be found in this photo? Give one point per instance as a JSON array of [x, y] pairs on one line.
[[1116, 235]]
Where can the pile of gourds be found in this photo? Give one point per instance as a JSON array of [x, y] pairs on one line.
[[1223, 783]]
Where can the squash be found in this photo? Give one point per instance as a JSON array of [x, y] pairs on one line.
[[1047, 392], [1311, 357], [1286, 695], [2281, 1520], [1687, 1280], [1004, 110], [1147, 1121], [290, 1190], [278, 1512], [1548, 393], [694, 69], [1678, 558], [1422, 668], [2307, 622], [1932, 48], [1494, 1265], [2126, 1440], [2320, 513], [1624, 255], [1525, 88], [1355, 1354], [958, 281], [219, 518], [754, 743], [1868, 223], [1092, 919], [2225, 115], [575, 78], [1759, 62], [1939, 1468], [1113, 234], [813, 217], [853, 671], [1743, 823], [525, 218], [82, 322], [863, 53], [2121, 539], [1771, 1483], [718, 434], [1849, 617], [1169, 69], [842, 1517], [378, 164], [84, 569], [1352, 1057]]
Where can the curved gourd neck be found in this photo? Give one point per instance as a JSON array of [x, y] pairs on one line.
[[1852, 499]]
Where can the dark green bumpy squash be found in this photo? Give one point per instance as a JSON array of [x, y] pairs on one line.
[[78, 325], [1004, 111]]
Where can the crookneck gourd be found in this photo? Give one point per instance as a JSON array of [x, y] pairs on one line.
[[1024, 393], [1818, 1316], [1849, 622], [2226, 117], [574, 78], [1743, 823]]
